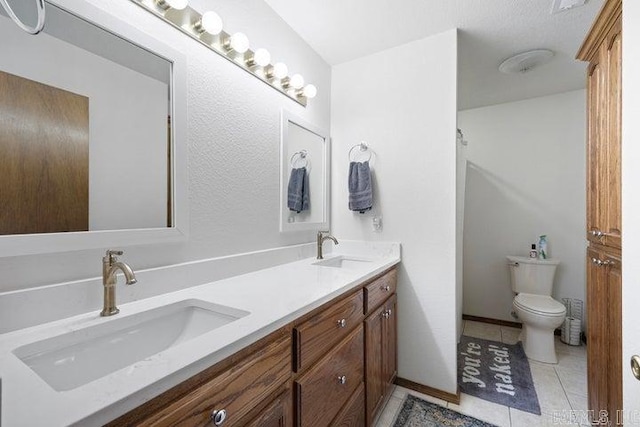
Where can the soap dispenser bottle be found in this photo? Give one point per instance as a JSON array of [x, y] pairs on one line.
[[542, 247], [533, 253]]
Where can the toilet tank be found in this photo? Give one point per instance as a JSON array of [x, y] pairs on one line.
[[531, 275]]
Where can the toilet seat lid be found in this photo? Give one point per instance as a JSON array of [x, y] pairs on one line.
[[543, 304]]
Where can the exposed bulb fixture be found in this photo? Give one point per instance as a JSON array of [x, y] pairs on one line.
[[172, 4], [297, 81], [210, 23], [260, 57], [234, 47], [526, 61], [280, 70], [239, 42], [310, 91]]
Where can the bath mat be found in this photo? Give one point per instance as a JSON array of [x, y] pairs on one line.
[[416, 412], [496, 372]]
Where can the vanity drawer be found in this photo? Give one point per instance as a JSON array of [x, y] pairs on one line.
[[316, 335], [380, 289], [236, 391], [328, 385], [352, 415]]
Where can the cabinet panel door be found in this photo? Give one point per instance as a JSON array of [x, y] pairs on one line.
[[613, 187], [389, 344], [596, 157], [597, 361], [374, 367], [613, 283]]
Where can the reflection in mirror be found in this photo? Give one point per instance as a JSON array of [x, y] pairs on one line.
[[85, 134], [304, 175]]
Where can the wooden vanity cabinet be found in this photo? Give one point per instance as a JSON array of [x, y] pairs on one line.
[[237, 386], [330, 367], [380, 347]]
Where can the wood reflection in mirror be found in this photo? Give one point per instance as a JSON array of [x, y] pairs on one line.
[[44, 158]]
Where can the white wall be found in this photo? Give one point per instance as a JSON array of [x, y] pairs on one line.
[[127, 125], [402, 101], [234, 142], [525, 177], [630, 206]]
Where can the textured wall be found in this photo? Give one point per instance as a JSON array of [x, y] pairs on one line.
[[402, 101], [525, 177], [233, 138]]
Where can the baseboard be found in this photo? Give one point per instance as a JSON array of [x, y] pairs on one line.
[[492, 321], [448, 397]]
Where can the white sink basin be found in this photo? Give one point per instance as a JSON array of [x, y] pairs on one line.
[[79, 357], [343, 261]]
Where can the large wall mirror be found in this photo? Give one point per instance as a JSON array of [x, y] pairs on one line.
[[304, 175], [92, 128]]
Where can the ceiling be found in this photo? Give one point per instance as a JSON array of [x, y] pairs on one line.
[[490, 32]]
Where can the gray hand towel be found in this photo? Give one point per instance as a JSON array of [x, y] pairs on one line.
[[360, 188], [298, 190]]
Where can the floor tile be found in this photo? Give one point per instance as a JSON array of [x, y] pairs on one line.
[[574, 381], [577, 402], [525, 419], [569, 361], [510, 335], [482, 410], [485, 331], [551, 395], [580, 350]]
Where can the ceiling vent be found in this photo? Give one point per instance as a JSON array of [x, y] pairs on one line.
[[526, 61], [564, 5]]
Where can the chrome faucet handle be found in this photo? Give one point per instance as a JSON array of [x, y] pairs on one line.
[[111, 255]]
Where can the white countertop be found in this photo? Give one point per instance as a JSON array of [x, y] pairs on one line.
[[274, 297]]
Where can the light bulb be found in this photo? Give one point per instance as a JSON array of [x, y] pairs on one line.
[[280, 70], [262, 57], [310, 91], [297, 81], [211, 23], [173, 4], [239, 42]]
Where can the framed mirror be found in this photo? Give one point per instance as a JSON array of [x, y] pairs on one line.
[[92, 133], [304, 175]]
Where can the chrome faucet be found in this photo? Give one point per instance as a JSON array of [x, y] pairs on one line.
[[110, 265], [320, 239]]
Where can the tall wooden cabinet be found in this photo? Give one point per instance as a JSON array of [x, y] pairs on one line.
[[602, 49]]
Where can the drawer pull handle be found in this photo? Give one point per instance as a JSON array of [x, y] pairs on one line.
[[385, 288], [342, 379], [386, 314], [342, 323], [218, 416], [600, 263], [597, 233]]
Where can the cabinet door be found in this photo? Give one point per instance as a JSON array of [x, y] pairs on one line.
[[613, 187], [613, 283], [389, 344], [596, 154], [374, 349], [597, 362]]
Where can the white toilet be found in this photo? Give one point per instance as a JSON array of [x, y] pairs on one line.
[[532, 280]]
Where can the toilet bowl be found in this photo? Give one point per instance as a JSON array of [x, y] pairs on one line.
[[532, 280], [540, 315]]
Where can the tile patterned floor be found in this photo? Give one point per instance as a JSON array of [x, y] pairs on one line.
[[561, 388]]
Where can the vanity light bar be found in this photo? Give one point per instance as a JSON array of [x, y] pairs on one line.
[[207, 29]]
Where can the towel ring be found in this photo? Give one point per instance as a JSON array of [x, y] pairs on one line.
[[31, 30], [363, 147], [302, 154]]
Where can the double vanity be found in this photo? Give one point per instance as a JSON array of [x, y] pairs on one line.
[[310, 343]]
